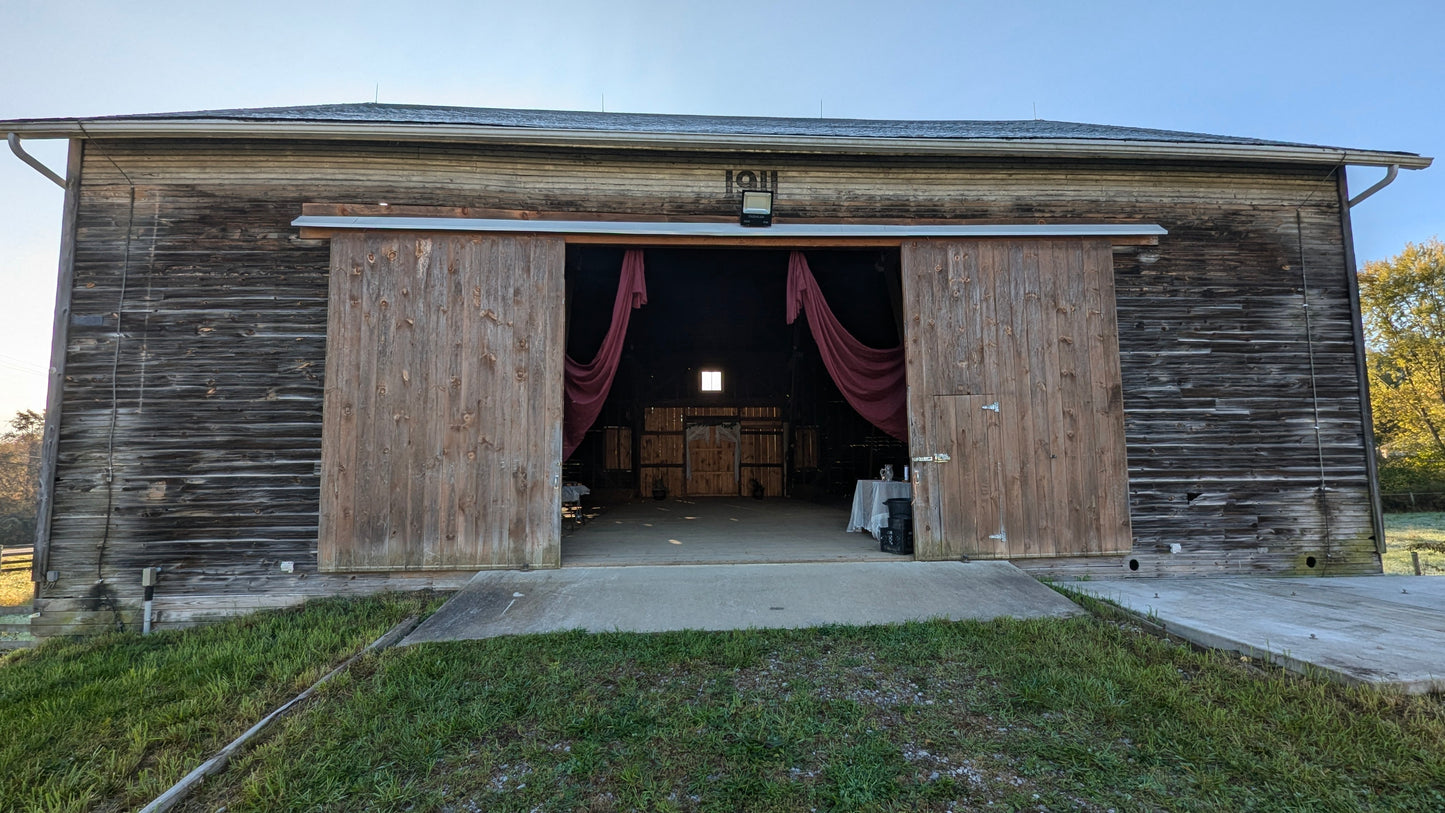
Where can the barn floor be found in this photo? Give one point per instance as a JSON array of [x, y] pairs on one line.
[[718, 530]]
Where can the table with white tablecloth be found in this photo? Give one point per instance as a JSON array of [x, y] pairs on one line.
[[572, 494], [870, 511]]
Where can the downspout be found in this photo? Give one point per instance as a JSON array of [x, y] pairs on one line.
[[1389, 178], [14, 139]]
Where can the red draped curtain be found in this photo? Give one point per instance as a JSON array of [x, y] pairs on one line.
[[873, 381], [586, 385]]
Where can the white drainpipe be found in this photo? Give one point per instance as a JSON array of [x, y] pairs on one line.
[[1390, 173], [14, 139]]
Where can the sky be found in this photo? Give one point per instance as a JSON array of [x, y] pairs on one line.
[[1369, 76]]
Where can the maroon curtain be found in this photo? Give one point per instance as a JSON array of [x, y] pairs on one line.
[[872, 380], [586, 385]]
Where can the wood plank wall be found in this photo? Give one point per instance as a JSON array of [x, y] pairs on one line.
[[617, 448], [805, 448], [660, 451], [442, 435], [211, 311]]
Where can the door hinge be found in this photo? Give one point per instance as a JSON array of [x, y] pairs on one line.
[[1001, 536], [993, 407]]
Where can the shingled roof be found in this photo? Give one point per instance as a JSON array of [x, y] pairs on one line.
[[729, 125], [485, 123]]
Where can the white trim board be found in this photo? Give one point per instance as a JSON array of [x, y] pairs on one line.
[[780, 231]]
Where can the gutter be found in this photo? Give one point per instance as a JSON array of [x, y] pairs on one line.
[[726, 142]]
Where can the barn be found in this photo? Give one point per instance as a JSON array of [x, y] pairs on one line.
[[347, 348]]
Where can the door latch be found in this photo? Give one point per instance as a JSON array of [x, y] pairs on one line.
[[993, 407], [940, 457]]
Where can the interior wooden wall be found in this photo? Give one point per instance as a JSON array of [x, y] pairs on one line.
[[196, 350], [441, 438], [662, 453], [617, 448]]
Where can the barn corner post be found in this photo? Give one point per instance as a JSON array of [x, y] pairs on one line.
[[1367, 420], [59, 341]]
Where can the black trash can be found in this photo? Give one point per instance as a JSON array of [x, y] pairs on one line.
[[885, 540], [897, 537]]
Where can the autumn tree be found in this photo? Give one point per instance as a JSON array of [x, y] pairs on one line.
[[1403, 304], [20, 478]]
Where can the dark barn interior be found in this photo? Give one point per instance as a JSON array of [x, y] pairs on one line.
[[724, 310]]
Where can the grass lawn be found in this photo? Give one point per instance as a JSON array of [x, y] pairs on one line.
[[1424, 532], [1055, 714], [1082, 713], [107, 723], [16, 588]]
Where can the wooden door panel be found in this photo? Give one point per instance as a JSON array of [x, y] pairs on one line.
[[968, 505], [713, 461], [441, 433], [1028, 325]]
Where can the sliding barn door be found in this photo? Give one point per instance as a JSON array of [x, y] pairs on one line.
[[442, 433], [1015, 401]]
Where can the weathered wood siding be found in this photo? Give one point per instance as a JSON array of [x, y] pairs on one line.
[[192, 411], [1013, 371], [442, 434]]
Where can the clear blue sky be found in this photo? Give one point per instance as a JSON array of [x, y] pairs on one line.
[[1341, 74]]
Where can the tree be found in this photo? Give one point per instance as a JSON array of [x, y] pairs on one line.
[[1403, 304], [20, 478]]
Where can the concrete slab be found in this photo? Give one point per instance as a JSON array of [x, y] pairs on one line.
[[724, 597], [718, 530], [1386, 631]]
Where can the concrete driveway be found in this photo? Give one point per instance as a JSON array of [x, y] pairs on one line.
[[722, 597], [1386, 631]]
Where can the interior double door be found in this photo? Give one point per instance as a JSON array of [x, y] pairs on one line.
[[713, 453], [1015, 399]]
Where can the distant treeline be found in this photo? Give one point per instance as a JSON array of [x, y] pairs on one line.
[[1403, 304], [20, 478]]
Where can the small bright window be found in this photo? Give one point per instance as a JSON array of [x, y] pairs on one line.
[[712, 380]]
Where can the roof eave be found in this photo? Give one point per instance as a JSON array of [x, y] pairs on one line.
[[726, 142]]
